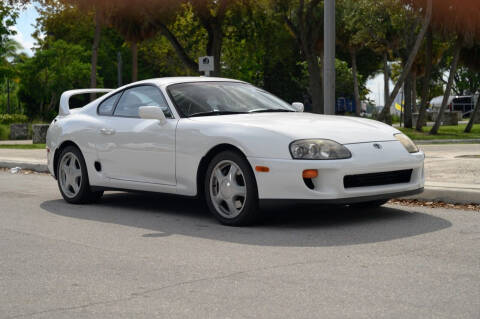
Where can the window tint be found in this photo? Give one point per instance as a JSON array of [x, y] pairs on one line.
[[205, 97], [106, 107], [139, 96]]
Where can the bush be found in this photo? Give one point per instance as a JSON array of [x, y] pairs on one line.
[[13, 118], [4, 132]]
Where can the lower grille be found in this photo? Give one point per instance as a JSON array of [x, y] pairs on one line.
[[377, 179]]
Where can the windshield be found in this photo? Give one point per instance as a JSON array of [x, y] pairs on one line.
[[217, 98]]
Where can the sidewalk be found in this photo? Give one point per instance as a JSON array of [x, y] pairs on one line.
[[452, 171], [17, 142], [35, 160]]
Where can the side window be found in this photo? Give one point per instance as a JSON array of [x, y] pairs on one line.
[[106, 107], [139, 96]]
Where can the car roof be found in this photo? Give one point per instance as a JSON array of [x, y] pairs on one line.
[[184, 79], [161, 82]]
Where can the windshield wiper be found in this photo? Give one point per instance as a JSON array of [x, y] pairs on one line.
[[215, 113], [270, 110]]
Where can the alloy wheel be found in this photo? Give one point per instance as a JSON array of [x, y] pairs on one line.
[[228, 190], [70, 175]]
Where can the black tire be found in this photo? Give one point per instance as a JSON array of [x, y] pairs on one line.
[[85, 195], [371, 204], [249, 211]]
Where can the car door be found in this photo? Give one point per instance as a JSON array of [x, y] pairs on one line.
[[135, 149]]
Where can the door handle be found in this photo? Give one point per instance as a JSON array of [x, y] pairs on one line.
[[107, 131]]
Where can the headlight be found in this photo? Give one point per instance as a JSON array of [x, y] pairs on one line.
[[318, 150], [407, 143]]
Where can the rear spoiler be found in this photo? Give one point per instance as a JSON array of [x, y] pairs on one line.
[[65, 98]]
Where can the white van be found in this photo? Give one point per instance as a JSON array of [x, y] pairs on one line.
[[464, 104]]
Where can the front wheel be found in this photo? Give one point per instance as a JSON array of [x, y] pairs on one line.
[[72, 178], [231, 190]]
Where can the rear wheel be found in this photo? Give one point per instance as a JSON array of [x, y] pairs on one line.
[[231, 190], [72, 178]]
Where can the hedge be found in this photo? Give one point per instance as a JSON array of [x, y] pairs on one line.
[[13, 118]]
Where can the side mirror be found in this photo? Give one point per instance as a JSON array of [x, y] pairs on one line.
[[298, 106], [152, 113]]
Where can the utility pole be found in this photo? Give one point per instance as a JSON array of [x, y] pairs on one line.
[[329, 58]]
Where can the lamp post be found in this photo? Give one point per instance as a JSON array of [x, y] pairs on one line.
[[329, 57]]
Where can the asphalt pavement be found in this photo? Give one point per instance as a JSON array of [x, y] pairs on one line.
[[154, 256]]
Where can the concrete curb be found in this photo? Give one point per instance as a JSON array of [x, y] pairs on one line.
[[36, 167], [450, 193], [461, 141]]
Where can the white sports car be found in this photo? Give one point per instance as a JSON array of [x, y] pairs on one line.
[[229, 142]]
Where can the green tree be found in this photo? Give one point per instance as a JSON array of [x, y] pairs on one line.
[[50, 72], [304, 19], [135, 27], [383, 31], [8, 47], [100, 9], [74, 26], [8, 16], [8, 66], [467, 79], [350, 31], [428, 64]]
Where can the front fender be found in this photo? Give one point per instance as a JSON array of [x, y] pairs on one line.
[[194, 140]]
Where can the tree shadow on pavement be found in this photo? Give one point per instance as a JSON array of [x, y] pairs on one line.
[[295, 225]]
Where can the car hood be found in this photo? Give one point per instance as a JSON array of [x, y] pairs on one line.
[[342, 129]]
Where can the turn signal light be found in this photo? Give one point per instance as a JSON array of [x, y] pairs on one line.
[[262, 169], [310, 173]]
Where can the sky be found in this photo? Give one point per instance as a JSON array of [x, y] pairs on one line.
[[25, 28]]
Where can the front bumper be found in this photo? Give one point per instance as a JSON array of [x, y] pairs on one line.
[[285, 181]]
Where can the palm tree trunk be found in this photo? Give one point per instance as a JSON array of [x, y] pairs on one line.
[[386, 81], [473, 116], [95, 45], [426, 81], [356, 94], [448, 89], [411, 59], [134, 48], [408, 102], [414, 92], [179, 49]]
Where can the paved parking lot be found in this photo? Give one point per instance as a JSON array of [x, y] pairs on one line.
[[146, 256]]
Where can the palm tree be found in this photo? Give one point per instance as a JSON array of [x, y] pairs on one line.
[[130, 20], [100, 9], [470, 59], [460, 19], [431, 56], [411, 58]]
